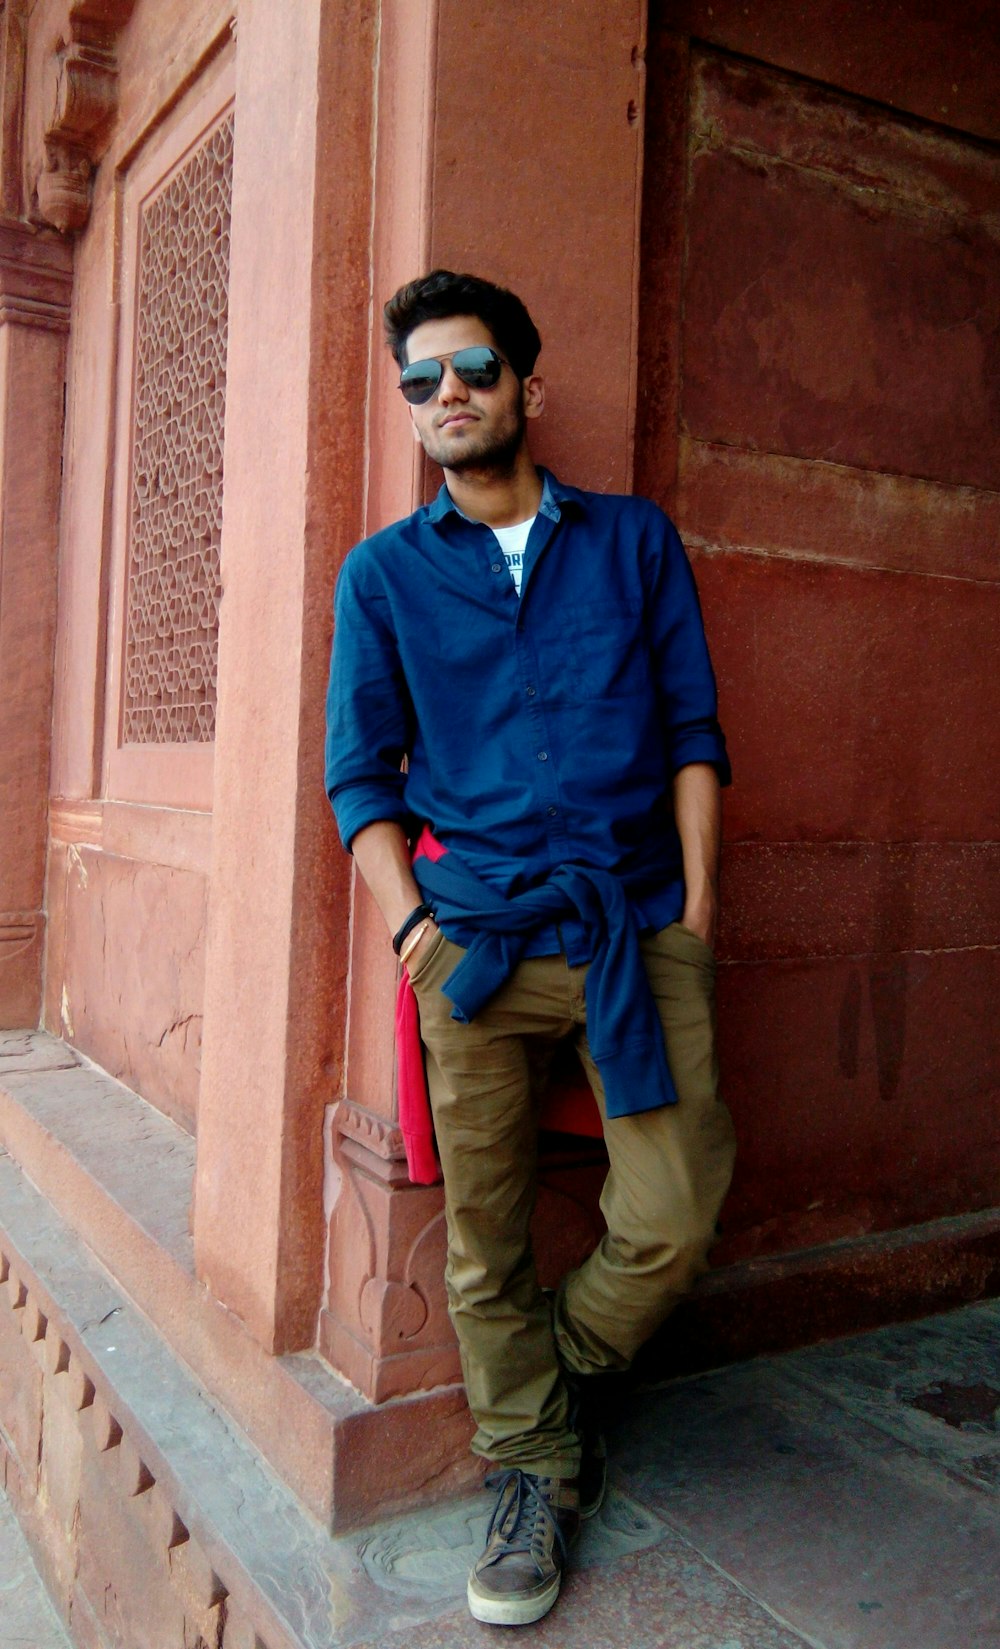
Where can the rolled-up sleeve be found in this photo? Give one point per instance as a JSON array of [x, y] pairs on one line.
[[684, 675], [368, 711]]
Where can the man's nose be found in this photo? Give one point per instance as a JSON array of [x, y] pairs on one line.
[[451, 387]]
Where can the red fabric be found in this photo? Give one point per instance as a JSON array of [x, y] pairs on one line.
[[568, 1107], [428, 846], [414, 1102]]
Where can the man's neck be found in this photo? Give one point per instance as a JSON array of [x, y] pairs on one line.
[[499, 498]]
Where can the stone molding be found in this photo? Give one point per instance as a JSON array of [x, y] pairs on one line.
[[84, 70], [76, 824], [36, 278], [372, 1132], [18, 929]]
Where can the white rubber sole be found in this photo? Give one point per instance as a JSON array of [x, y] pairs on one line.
[[512, 1611]]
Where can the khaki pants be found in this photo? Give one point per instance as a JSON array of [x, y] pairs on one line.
[[669, 1172]]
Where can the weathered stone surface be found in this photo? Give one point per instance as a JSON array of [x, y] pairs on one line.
[[778, 1302], [21, 1383], [733, 498], [133, 982], [32, 363], [34, 311], [62, 1450], [813, 660], [814, 1484], [932, 69], [238, 1529], [22, 947], [33, 1051], [852, 327], [125, 1581], [87, 1124], [28, 1615], [854, 1110], [798, 899]]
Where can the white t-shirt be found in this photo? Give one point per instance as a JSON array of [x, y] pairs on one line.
[[512, 541]]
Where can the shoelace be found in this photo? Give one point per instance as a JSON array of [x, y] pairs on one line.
[[529, 1506]]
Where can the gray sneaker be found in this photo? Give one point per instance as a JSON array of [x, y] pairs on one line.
[[534, 1523]]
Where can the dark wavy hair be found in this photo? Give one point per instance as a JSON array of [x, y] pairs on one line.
[[441, 294]]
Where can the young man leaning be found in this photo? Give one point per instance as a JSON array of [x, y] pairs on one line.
[[536, 653]]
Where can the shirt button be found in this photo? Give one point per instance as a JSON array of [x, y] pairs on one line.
[[552, 811], [543, 755], [496, 567], [531, 692]]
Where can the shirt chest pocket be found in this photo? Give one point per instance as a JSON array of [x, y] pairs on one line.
[[593, 650]]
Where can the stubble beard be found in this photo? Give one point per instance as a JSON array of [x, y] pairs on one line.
[[495, 456]]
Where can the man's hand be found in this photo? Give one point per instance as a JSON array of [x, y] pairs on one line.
[[701, 918], [698, 813]]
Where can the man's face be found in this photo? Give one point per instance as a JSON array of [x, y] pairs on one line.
[[463, 428]]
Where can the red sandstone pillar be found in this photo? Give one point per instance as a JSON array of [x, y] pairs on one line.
[[560, 224], [35, 282], [276, 952]]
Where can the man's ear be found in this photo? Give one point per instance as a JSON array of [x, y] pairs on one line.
[[533, 391]]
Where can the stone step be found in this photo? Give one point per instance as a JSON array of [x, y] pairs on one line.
[[122, 1175], [152, 1487]]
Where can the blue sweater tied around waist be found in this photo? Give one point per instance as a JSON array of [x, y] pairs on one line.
[[623, 1026]]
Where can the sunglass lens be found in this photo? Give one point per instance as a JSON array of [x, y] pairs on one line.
[[419, 381], [480, 367]]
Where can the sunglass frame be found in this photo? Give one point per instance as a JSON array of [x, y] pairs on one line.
[[471, 376]]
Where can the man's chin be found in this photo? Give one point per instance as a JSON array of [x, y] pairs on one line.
[[492, 458]]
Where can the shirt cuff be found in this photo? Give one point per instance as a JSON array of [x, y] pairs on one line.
[[354, 809], [702, 747]]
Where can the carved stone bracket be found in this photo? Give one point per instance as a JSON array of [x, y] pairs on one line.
[[385, 1322], [77, 132]]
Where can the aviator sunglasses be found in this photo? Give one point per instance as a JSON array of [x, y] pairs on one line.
[[479, 367]]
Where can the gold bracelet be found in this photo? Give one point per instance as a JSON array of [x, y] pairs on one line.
[[413, 941]]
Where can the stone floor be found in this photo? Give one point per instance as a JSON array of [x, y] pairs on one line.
[[842, 1497]]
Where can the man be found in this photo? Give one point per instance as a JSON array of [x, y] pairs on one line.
[[536, 655]]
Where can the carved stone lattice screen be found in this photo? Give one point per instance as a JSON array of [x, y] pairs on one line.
[[178, 421]]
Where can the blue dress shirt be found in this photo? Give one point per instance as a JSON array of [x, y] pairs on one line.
[[538, 732]]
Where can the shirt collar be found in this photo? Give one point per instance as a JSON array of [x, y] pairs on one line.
[[556, 497]]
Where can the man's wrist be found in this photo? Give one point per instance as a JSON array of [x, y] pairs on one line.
[[418, 941], [701, 912], [418, 914]]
